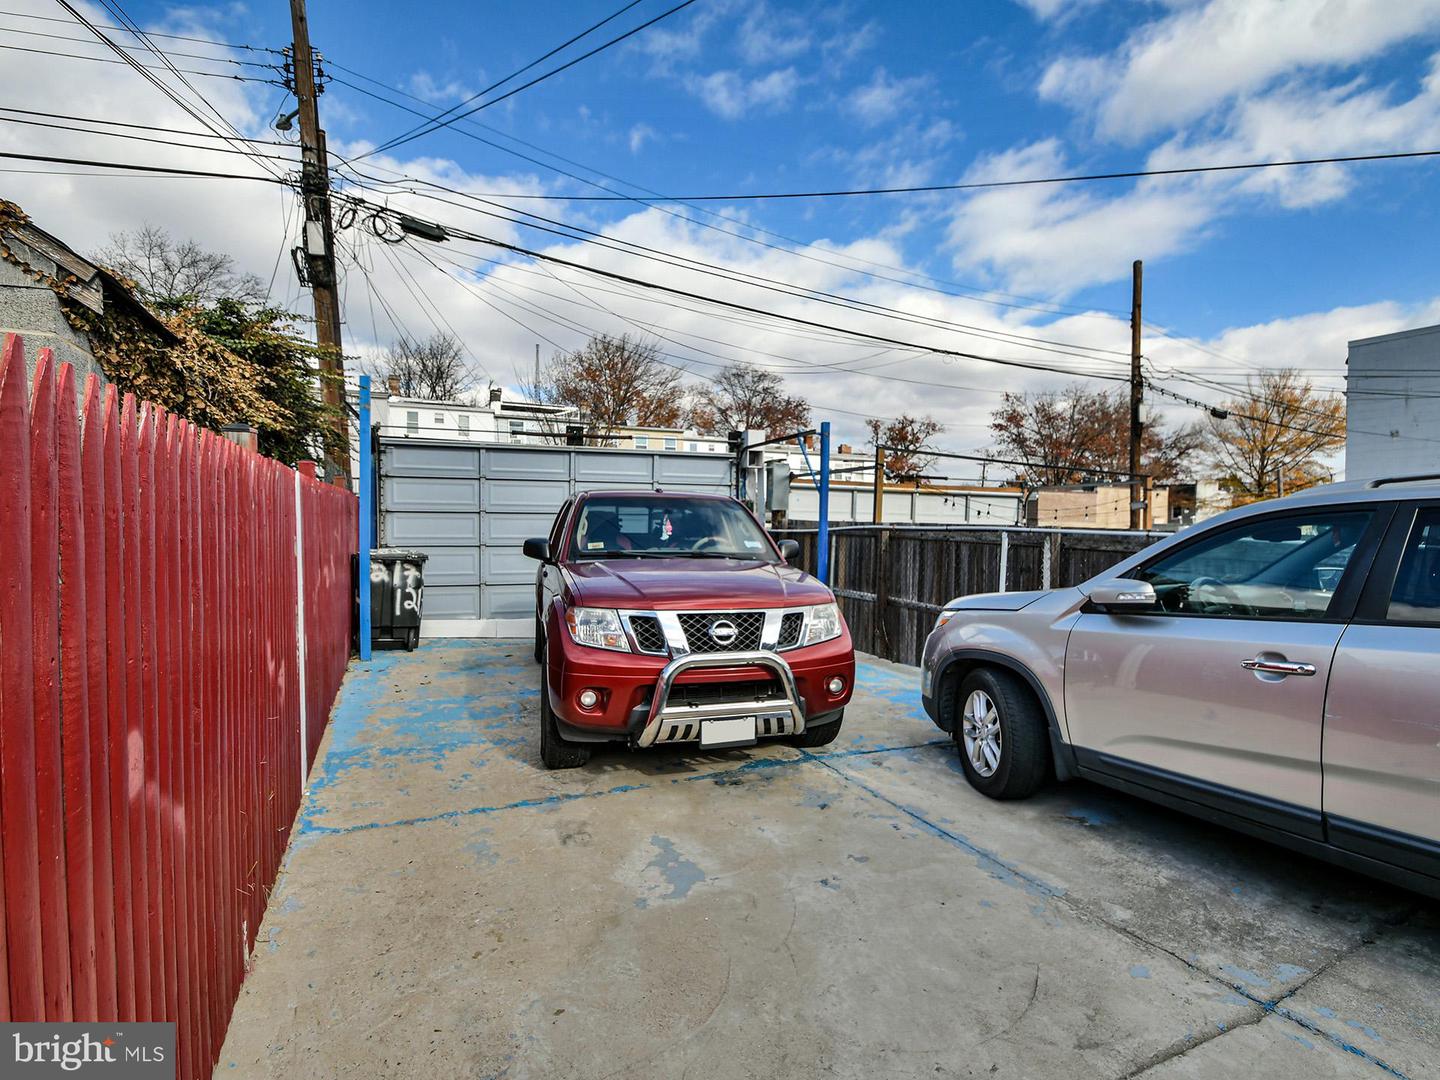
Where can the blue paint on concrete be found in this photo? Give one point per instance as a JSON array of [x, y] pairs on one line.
[[1241, 975], [1328, 1014], [521, 804], [833, 884], [1139, 971], [1368, 1032], [679, 873], [1300, 1039], [1286, 972]]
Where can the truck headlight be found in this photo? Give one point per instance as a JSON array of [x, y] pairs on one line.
[[823, 624], [597, 627], [945, 616]]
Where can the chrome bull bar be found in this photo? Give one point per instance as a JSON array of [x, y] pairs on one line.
[[667, 723]]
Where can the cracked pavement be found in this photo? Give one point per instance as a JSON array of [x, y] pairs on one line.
[[450, 909]]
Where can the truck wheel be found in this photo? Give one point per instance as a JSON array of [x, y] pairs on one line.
[[1000, 731], [539, 641], [819, 736], [412, 638], [555, 752]]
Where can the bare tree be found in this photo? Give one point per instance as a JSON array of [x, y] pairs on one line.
[[1273, 437], [432, 369], [173, 274], [906, 438], [745, 398], [1067, 436], [614, 382]]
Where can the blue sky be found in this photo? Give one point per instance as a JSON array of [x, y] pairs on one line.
[[746, 95]]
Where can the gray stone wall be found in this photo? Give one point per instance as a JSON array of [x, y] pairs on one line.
[[30, 308]]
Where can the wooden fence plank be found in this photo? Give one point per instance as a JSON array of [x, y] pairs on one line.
[[80, 867], [98, 536], [18, 822], [49, 755], [131, 967]]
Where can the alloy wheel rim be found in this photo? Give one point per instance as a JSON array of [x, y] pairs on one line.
[[980, 733]]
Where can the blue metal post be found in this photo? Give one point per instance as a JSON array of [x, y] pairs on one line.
[[367, 494], [822, 541]]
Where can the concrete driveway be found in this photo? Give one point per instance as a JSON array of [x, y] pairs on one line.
[[450, 909]]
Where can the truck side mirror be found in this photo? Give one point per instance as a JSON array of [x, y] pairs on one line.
[[790, 550], [537, 547]]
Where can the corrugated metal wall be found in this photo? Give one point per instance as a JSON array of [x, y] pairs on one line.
[[471, 507]]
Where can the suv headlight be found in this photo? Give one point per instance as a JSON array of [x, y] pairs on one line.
[[823, 624], [597, 627], [945, 616]]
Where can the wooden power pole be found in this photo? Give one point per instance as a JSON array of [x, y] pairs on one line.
[[1138, 492], [318, 245], [877, 502]]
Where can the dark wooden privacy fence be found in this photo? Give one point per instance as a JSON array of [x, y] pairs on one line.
[[161, 696], [891, 581]]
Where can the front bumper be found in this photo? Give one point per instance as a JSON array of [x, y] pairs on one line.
[[648, 700]]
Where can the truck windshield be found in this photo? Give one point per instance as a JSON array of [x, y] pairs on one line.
[[661, 526]]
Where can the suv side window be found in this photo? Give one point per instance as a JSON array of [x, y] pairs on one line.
[[1415, 597], [1280, 567]]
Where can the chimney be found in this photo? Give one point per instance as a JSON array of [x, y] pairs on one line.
[[393, 382], [846, 448], [496, 394]]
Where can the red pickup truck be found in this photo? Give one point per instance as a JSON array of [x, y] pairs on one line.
[[664, 618]]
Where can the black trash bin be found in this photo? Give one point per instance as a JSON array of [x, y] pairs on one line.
[[397, 588]]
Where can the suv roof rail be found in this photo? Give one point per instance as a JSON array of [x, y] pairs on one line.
[[1383, 481]]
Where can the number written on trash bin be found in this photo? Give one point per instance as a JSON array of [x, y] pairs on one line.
[[406, 581]]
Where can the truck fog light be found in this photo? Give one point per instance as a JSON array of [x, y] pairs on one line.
[[588, 699], [835, 685]]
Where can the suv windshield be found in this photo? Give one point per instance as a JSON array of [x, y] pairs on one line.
[[657, 526]]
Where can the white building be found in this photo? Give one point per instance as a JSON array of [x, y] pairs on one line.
[[1392, 405]]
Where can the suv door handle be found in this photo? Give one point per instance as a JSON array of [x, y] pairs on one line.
[[1278, 667]]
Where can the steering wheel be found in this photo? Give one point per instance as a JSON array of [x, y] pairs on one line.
[[1207, 581], [706, 543]]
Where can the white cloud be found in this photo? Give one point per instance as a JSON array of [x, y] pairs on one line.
[[424, 85], [639, 135], [770, 36], [731, 95], [1177, 68], [884, 97]]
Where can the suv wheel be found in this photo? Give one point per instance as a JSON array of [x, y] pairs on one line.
[[819, 736], [555, 752], [1000, 733]]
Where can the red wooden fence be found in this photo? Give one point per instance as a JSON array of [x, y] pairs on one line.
[[154, 726]]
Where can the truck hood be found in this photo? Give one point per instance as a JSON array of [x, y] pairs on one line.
[[693, 584], [996, 601]]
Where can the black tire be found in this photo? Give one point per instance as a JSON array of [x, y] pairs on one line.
[[555, 752], [1021, 763], [412, 638], [819, 736], [539, 641]]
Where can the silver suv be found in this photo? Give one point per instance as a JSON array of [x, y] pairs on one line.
[[1275, 669]]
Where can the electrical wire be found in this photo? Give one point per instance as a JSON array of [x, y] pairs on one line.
[[152, 33], [111, 60], [501, 82], [435, 126]]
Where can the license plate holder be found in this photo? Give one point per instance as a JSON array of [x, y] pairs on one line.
[[737, 731]]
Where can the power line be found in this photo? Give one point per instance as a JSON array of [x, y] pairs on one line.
[[981, 185], [138, 127], [136, 48], [138, 168], [147, 67], [415, 129], [735, 306], [152, 33], [162, 142], [853, 264], [436, 125], [590, 236]]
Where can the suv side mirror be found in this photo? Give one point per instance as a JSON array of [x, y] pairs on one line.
[[789, 550], [537, 547], [1121, 596]]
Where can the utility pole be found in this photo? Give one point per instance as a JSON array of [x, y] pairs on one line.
[[317, 254], [1138, 513], [878, 498]]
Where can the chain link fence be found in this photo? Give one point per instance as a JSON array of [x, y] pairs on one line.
[[892, 581]]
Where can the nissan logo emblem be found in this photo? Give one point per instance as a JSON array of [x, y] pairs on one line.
[[723, 631]]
